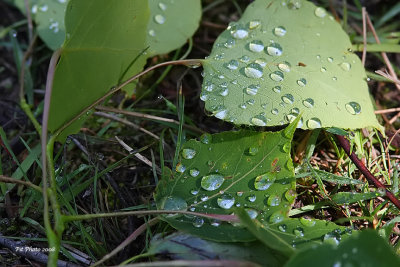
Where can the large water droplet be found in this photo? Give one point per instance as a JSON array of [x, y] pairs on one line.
[[162, 6], [160, 19], [252, 213], [302, 82], [277, 76], [290, 195], [188, 153], [308, 103], [233, 64], [274, 200], [226, 201], [314, 123], [277, 89], [279, 31], [254, 24], [258, 120], [307, 222], [212, 181], [256, 46], [253, 70], [206, 138], [274, 49], [345, 66], [252, 89], [320, 12], [264, 181], [198, 222], [298, 232], [174, 203], [276, 217], [284, 66], [194, 172], [353, 108], [288, 99], [239, 32], [180, 168]]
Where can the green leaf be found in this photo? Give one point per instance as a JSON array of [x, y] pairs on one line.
[[365, 249], [332, 178], [289, 235], [280, 60], [103, 39], [351, 197], [187, 247], [171, 23], [227, 170]]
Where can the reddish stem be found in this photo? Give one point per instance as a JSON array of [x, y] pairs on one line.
[[346, 146]]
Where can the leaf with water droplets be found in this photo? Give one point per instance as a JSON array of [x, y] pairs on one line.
[[285, 51], [230, 170], [169, 27]]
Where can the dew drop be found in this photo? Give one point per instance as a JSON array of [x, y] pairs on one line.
[[252, 198], [314, 123], [276, 217], [239, 32], [274, 49], [162, 6], [208, 86], [243, 106], [194, 172], [307, 222], [244, 59], [198, 222], [275, 111], [160, 19], [308, 103], [251, 101], [252, 151], [274, 200], [34, 9], [212, 182], [233, 64], [215, 223], [152, 33], [194, 192], [239, 193], [288, 99], [290, 195], [345, 66], [226, 201], [253, 70], [330, 59], [294, 4], [295, 111], [282, 228], [258, 120], [252, 213], [44, 8], [264, 181], [254, 24], [279, 31], [252, 89], [206, 138], [298, 232], [204, 96], [320, 12], [221, 114], [256, 46], [277, 89], [334, 78], [331, 238], [284, 66], [323, 69], [180, 168], [277, 76], [262, 62], [353, 108], [224, 92], [230, 43], [188, 153], [302, 82]]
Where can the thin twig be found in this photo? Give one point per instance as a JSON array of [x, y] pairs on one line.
[[364, 22], [389, 110], [10, 180], [370, 177], [388, 76]]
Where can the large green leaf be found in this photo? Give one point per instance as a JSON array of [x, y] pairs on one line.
[[283, 58], [366, 249], [103, 39], [171, 23], [233, 169]]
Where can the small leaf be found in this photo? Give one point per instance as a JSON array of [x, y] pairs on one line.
[[223, 171], [279, 60], [365, 249], [351, 197], [332, 178]]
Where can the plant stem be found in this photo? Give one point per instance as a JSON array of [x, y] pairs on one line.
[[370, 177], [6, 179], [388, 48]]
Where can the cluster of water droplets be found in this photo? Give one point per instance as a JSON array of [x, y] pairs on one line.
[[54, 22], [159, 18]]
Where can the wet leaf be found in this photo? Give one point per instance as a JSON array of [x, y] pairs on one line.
[[223, 171], [278, 61], [351, 197]]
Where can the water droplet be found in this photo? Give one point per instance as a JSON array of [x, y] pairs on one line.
[[334, 78], [253, 70], [323, 69], [194, 172], [254, 24], [302, 82], [256, 46], [180, 168], [215, 223], [274, 200], [224, 92], [162, 6], [198, 222], [308, 103], [279, 31], [314, 123], [194, 192], [252, 151], [282, 228], [219, 57], [252, 213], [277, 89], [331, 238], [298, 232], [208, 86], [152, 33], [264, 181], [239, 193], [318, 57], [275, 111], [34, 9], [330, 59], [345, 66], [221, 114], [212, 182], [244, 59], [243, 106], [160, 19], [284, 66], [258, 120], [277, 76], [44, 8], [294, 4], [251, 101], [230, 43], [276, 217], [353, 108], [174, 203], [252, 198], [226, 201], [290, 195], [252, 89], [188, 153], [320, 12], [233, 64], [206, 138], [204, 96], [288, 99], [274, 49], [307, 222], [239, 32]]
